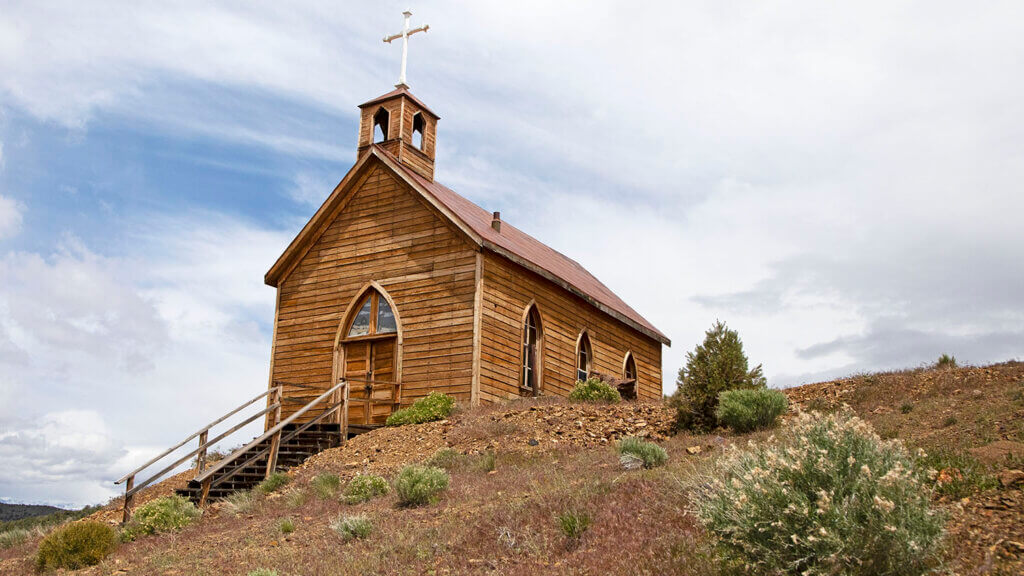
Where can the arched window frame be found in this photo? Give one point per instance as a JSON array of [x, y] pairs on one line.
[[341, 337], [419, 126], [381, 118], [630, 361], [584, 356], [531, 362]]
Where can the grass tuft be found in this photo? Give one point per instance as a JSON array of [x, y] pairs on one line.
[[352, 527], [636, 450], [574, 523], [241, 502], [957, 474], [326, 485], [287, 526], [420, 485], [273, 482]]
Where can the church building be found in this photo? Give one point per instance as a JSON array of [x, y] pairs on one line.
[[403, 287]]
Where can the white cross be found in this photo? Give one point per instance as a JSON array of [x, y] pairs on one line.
[[404, 35]]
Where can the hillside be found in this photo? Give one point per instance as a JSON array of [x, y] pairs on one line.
[[9, 512], [552, 457]]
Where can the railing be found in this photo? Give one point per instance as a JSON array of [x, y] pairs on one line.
[[206, 478], [274, 426]]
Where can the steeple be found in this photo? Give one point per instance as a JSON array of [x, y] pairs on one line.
[[403, 125]]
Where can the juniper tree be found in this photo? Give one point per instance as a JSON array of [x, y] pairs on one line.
[[716, 365]]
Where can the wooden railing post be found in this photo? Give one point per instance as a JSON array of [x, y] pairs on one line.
[[205, 493], [126, 515], [275, 440], [201, 457]]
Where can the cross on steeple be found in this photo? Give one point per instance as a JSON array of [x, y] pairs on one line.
[[404, 35]]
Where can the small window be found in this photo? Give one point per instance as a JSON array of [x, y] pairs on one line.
[[584, 357], [381, 121], [531, 350], [374, 316], [418, 125]]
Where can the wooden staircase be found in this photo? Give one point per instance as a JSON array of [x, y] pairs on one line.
[[239, 477], [319, 424]]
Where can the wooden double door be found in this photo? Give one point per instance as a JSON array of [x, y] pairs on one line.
[[370, 371]]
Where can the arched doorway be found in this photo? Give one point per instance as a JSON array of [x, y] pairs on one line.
[[369, 357]]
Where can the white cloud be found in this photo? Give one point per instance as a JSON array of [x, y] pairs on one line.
[[10, 215]]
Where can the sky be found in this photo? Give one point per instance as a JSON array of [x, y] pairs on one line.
[[839, 183]]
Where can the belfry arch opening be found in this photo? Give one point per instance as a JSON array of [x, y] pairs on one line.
[[381, 122], [418, 129]]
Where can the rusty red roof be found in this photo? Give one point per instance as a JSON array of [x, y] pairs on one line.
[[400, 91], [528, 248]]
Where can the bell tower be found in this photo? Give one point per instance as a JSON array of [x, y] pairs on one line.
[[399, 123]]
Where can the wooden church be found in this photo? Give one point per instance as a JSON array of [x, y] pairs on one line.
[[403, 287]]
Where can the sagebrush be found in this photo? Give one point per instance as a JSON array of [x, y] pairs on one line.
[[634, 450], [365, 487], [716, 365], [750, 409], [161, 515], [435, 406], [418, 485], [828, 496], [351, 527], [76, 545], [594, 390]]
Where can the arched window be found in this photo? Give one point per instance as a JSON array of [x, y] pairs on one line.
[[629, 375], [374, 316], [381, 122], [418, 127], [584, 356], [532, 334]]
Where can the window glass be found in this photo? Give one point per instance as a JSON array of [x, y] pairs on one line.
[[385, 317], [361, 323]]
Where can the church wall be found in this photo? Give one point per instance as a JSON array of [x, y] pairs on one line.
[[388, 234], [507, 291]]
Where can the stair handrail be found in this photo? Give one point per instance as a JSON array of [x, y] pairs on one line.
[[203, 434], [204, 478]]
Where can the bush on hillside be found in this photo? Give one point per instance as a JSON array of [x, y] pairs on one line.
[[351, 527], [716, 365], [76, 545], [326, 485], [13, 537], [826, 497], [594, 390], [946, 361], [418, 485], [365, 487], [636, 450], [161, 515], [573, 523], [749, 410], [273, 482], [435, 406], [241, 502]]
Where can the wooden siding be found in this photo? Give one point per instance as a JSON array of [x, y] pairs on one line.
[[384, 232], [507, 290]]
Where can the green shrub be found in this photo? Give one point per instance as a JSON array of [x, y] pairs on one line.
[[715, 366], [906, 408], [161, 515], [958, 474], [350, 527], [365, 487], [273, 482], [76, 545], [241, 502], [827, 497], [949, 421], [287, 526], [487, 461], [418, 485], [14, 537], [326, 485], [594, 390], [445, 458], [436, 406], [262, 572], [573, 523], [749, 410], [946, 361], [638, 450]]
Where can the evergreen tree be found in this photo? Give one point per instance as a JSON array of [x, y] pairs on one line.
[[715, 366]]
